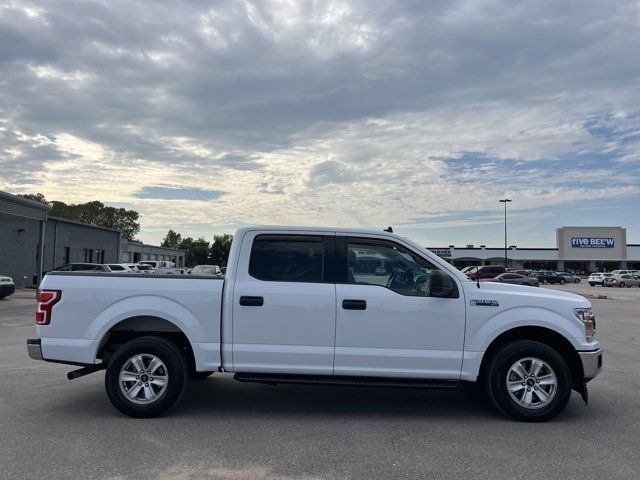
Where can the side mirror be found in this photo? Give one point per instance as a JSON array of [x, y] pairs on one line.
[[442, 285]]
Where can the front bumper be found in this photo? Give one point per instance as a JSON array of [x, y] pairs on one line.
[[34, 348], [591, 363]]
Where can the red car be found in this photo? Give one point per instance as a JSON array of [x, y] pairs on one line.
[[485, 271]]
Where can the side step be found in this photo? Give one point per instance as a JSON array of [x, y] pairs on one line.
[[338, 380]]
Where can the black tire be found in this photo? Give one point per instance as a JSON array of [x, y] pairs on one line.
[[495, 377], [592, 284], [562, 281], [176, 371], [577, 280], [545, 281], [622, 285], [200, 375]]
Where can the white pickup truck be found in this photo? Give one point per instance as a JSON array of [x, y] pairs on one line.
[[309, 305]]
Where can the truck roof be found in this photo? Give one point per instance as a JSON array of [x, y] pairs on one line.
[[303, 228]]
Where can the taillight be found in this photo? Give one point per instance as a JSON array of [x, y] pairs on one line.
[[46, 300]]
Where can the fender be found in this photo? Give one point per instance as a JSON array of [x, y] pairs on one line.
[[481, 334], [154, 306]]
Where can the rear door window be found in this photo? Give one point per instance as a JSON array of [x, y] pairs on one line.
[[288, 258]]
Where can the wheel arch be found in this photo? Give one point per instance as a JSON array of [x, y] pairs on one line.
[[544, 335], [142, 326]]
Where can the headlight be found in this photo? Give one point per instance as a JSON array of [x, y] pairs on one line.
[[586, 316]]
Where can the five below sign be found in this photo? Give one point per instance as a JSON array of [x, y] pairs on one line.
[[592, 242]]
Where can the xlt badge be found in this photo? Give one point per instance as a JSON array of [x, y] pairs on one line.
[[485, 303]]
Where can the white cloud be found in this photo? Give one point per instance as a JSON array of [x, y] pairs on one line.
[[343, 113]]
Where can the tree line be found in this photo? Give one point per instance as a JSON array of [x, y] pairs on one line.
[[200, 251], [94, 213]]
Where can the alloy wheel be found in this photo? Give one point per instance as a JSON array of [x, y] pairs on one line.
[[531, 383], [143, 378]]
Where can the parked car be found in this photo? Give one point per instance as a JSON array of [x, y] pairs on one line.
[[145, 269], [569, 277], [485, 271], [515, 279], [7, 287], [290, 310], [550, 277], [622, 272], [206, 270], [597, 278], [163, 267], [123, 268], [82, 267], [621, 281]]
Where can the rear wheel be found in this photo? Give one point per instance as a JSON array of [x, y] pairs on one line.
[[146, 377], [528, 381]]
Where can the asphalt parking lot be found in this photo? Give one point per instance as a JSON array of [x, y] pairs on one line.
[[55, 428]]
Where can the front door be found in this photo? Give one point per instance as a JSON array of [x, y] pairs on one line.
[[387, 323], [284, 312]]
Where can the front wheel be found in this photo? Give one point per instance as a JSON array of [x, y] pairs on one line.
[[577, 280], [622, 285], [146, 377], [562, 281], [528, 381]]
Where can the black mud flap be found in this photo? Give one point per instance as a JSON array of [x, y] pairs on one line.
[[585, 393]]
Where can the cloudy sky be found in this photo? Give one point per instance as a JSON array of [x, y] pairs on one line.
[[205, 116]]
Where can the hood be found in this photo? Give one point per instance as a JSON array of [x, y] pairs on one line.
[[541, 293], [6, 279]]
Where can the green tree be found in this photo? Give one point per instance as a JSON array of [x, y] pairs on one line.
[[171, 240], [95, 213], [220, 249], [196, 251], [38, 197]]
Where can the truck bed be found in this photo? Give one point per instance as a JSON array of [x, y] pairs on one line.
[[94, 304]]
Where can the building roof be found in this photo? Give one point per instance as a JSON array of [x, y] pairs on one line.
[[74, 222], [22, 207]]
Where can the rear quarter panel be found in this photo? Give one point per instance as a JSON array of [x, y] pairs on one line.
[[92, 304]]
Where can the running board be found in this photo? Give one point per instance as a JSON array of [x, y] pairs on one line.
[[337, 380]]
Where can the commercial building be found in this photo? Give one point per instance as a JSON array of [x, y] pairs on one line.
[[580, 249], [33, 242], [139, 252]]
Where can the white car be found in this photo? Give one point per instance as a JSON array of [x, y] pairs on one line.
[[163, 267], [597, 278], [206, 270], [123, 268], [295, 307]]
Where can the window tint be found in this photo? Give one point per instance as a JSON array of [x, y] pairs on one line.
[[116, 268], [387, 264], [287, 258]]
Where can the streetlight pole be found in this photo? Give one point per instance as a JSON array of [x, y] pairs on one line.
[[505, 201]]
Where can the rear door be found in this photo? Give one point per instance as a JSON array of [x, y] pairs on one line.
[[284, 310]]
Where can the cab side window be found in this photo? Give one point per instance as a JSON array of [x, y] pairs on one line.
[[387, 264], [287, 258]]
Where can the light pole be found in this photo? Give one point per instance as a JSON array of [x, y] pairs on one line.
[[505, 201]]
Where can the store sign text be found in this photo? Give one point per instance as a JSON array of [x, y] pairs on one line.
[[592, 242]]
